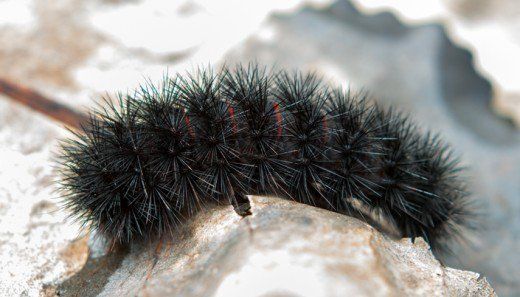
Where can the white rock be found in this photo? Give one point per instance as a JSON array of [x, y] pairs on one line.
[[283, 249]]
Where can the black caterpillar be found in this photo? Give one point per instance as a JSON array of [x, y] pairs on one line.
[[140, 166]]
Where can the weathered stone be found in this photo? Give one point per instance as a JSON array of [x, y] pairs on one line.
[[283, 249], [37, 244]]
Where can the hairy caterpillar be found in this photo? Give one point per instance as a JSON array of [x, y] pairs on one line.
[[140, 166]]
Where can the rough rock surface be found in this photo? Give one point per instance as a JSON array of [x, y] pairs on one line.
[[283, 249], [37, 245]]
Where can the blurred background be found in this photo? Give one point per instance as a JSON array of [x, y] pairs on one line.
[[453, 64]]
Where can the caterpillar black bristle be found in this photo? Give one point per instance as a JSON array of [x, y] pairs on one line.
[[355, 146], [306, 136], [249, 90], [145, 162]]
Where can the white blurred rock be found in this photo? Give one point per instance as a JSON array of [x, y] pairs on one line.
[[490, 29]]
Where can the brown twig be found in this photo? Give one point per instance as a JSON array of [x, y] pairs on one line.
[[42, 104]]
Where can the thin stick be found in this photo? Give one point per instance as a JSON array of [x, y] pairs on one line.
[[42, 104]]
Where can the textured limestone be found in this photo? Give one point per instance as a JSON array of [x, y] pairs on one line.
[[283, 249], [37, 245]]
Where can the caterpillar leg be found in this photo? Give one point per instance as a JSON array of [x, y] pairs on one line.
[[242, 205]]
